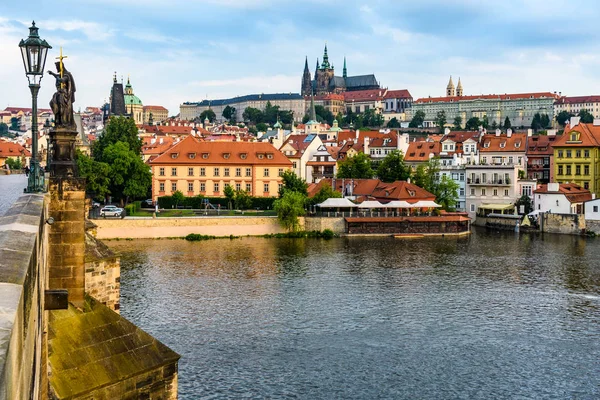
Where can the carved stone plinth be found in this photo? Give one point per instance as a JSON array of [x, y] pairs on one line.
[[61, 157]]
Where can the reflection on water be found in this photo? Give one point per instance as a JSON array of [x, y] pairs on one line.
[[494, 315]]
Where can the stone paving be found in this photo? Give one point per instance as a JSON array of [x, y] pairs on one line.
[[11, 188]]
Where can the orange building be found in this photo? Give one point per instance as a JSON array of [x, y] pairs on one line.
[[205, 168]]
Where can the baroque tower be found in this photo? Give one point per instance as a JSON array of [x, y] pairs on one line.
[[459, 89], [306, 87], [450, 88]]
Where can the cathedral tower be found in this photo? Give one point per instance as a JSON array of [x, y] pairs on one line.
[[306, 80], [450, 88], [344, 72], [459, 89], [324, 74]]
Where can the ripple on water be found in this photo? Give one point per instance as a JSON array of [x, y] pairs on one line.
[[491, 316]]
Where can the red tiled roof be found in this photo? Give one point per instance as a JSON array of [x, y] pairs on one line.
[[461, 136], [398, 94], [512, 96], [375, 189], [9, 149], [573, 192], [492, 143], [191, 151], [159, 108], [15, 110], [364, 95], [330, 96], [589, 136], [578, 99], [419, 151], [351, 136], [540, 145], [175, 130]]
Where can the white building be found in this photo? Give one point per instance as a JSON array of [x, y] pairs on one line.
[[300, 149], [491, 188], [561, 198], [574, 104]]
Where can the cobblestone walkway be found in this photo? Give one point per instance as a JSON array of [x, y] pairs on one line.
[[11, 188]]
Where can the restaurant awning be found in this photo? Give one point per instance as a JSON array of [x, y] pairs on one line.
[[425, 204], [398, 204], [371, 204], [337, 203], [496, 206]]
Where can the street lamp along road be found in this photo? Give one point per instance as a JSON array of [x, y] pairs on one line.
[[34, 51]]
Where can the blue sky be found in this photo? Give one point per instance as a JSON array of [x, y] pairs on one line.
[[187, 50]]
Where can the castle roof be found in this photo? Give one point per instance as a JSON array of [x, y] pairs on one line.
[[498, 97], [249, 97], [361, 80]]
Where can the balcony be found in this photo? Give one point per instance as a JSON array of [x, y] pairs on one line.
[[489, 182]]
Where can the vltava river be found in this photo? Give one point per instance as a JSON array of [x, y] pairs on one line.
[[493, 316]]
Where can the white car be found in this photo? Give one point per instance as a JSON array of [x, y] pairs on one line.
[[111, 211]]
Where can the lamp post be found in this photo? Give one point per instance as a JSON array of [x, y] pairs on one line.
[[34, 51]]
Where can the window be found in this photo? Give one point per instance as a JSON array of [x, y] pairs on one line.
[[472, 191], [560, 154], [586, 153], [190, 186], [461, 177], [495, 192], [202, 187], [226, 172], [266, 172], [216, 188], [568, 170], [569, 153], [266, 187], [505, 192], [483, 192], [248, 171], [248, 187], [174, 171], [461, 192], [216, 171], [484, 160], [190, 171], [174, 187], [161, 186], [294, 164], [578, 153], [202, 171], [161, 171], [595, 208], [238, 187], [238, 172], [472, 207], [586, 169], [586, 185], [511, 160], [560, 170], [519, 160], [578, 170], [526, 190], [280, 172], [243, 156], [280, 186]]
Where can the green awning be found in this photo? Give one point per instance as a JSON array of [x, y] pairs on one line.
[[496, 206]]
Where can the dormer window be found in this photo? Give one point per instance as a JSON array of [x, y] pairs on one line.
[[518, 144], [486, 144], [226, 155], [502, 145], [574, 137], [411, 193], [205, 155], [260, 156], [270, 156], [174, 155], [243, 156], [192, 155]]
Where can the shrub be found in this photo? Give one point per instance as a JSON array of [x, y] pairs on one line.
[[327, 234], [195, 237]]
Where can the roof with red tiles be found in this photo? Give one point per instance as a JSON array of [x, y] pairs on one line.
[[540, 145], [190, 151], [573, 192], [517, 142], [9, 149], [158, 108], [364, 95], [589, 136], [420, 151], [578, 99], [26, 110], [375, 189], [502, 97], [398, 94], [461, 136], [351, 135]]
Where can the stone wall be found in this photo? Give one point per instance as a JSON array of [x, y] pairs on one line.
[[23, 262], [337, 225], [592, 226], [180, 227], [102, 273], [570, 224]]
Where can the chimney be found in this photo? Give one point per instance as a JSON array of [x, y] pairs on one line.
[[551, 132], [553, 187], [397, 140], [357, 133], [529, 132], [160, 140], [498, 132], [596, 122], [574, 122], [508, 132], [366, 145], [446, 131]]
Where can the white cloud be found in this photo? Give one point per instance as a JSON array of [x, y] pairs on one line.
[[92, 30]]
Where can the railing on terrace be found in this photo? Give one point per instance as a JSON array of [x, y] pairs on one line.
[[365, 214]]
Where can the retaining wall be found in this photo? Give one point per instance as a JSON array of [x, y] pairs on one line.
[[337, 225], [570, 224]]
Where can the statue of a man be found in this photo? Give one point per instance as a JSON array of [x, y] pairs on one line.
[[62, 101]]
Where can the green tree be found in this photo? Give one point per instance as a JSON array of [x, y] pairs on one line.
[[210, 114], [271, 113], [118, 129], [420, 176], [446, 193], [393, 123], [536, 123], [3, 129], [417, 120], [262, 127], [524, 201], [95, 173], [473, 124], [289, 208], [326, 192], [494, 125], [14, 162], [253, 115], [585, 117], [545, 121], [292, 182], [457, 124], [392, 168], [242, 200], [15, 124], [286, 116], [507, 124], [178, 198], [357, 167], [229, 193], [563, 117], [485, 122], [229, 114], [440, 120], [129, 176]]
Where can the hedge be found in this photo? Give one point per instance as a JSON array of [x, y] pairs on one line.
[[195, 202]]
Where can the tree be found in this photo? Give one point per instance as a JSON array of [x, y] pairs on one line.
[[585, 117], [417, 120], [253, 115], [446, 193], [289, 208], [440, 120], [229, 114], [292, 182], [420, 176], [210, 114], [118, 129], [95, 174], [563, 117], [485, 122], [3, 129], [445, 189], [392, 168], [545, 121], [473, 124], [286, 116], [524, 201], [262, 127], [178, 198], [242, 200], [129, 176], [15, 124], [507, 124], [14, 163], [393, 123], [494, 125], [326, 192], [357, 167], [457, 124], [536, 122], [229, 193]]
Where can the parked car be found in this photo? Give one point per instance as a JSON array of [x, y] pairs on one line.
[[95, 204], [111, 211], [147, 203]]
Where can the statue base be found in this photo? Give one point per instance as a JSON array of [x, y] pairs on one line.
[[62, 163]]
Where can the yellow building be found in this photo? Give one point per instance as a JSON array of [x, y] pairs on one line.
[[155, 114], [205, 168], [577, 157]]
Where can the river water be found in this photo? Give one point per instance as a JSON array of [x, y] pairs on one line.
[[492, 316]]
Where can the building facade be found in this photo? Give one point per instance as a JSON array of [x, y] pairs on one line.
[[205, 168], [574, 104], [491, 187]]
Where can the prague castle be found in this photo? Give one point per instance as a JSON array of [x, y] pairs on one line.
[[325, 81]]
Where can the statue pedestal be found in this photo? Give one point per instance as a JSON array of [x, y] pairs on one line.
[[62, 152]]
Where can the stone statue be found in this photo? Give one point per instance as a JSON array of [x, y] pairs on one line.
[[62, 101]]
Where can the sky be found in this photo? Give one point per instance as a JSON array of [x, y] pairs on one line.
[[189, 50]]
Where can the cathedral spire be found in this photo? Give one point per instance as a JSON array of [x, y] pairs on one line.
[[459, 88], [306, 86], [450, 88], [345, 73], [325, 63], [317, 67], [306, 65]]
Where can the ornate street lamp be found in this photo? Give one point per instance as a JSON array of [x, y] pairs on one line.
[[34, 51]]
